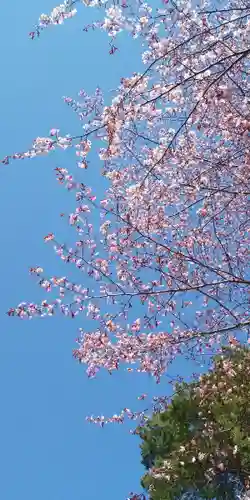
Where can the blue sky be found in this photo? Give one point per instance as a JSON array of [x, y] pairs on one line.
[[47, 450]]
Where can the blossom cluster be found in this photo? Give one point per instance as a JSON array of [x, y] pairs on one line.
[[65, 10], [133, 17]]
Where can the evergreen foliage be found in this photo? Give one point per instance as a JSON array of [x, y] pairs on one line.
[[200, 445]]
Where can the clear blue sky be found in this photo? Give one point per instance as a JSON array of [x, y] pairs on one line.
[[47, 451]]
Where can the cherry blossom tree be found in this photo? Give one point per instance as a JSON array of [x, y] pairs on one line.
[[167, 271]]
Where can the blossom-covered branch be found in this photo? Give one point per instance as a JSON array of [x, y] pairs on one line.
[[173, 242]]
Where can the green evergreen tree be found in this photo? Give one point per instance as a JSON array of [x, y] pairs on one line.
[[200, 446]]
